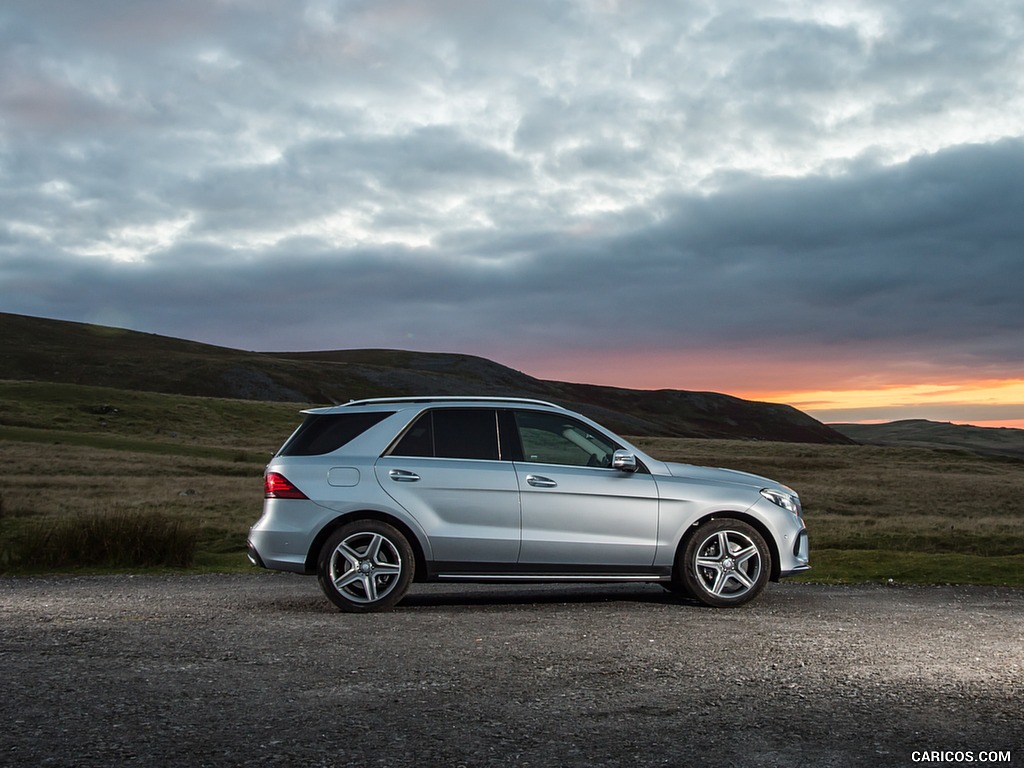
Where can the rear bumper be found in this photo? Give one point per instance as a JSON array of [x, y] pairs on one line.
[[281, 539], [254, 556]]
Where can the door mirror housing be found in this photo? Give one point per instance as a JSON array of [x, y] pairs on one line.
[[624, 461]]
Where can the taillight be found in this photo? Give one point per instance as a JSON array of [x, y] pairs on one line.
[[277, 486]]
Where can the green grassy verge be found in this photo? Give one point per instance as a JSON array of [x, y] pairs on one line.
[[857, 566], [57, 437], [95, 413]]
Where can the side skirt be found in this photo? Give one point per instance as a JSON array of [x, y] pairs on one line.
[[512, 572]]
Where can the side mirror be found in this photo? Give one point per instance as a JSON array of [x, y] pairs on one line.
[[624, 461]]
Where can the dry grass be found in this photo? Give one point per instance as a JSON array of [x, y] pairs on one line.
[[206, 472], [115, 538], [47, 483]]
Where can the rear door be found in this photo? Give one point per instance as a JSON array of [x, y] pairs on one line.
[[448, 473], [577, 511]]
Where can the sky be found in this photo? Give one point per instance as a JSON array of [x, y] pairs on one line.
[[811, 202]]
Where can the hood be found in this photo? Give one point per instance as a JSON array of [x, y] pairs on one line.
[[716, 475]]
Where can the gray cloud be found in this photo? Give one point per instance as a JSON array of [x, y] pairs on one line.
[[516, 179]]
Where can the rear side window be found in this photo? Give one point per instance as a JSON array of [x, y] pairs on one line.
[[326, 432], [452, 433]]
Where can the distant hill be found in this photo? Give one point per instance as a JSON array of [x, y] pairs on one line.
[[921, 433], [37, 349]]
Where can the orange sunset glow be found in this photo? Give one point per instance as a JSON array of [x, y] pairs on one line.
[[917, 400], [832, 390]]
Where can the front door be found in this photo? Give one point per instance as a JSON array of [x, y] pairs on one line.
[[577, 511]]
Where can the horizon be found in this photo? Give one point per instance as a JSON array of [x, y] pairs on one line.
[[800, 203]]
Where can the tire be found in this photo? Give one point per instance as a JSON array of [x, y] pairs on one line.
[[726, 563], [365, 566]]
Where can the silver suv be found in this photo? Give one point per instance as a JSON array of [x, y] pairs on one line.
[[376, 494]]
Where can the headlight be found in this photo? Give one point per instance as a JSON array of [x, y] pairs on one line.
[[784, 499]]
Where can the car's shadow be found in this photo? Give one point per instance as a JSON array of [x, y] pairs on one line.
[[497, 596], [504, 595], [527, 597]]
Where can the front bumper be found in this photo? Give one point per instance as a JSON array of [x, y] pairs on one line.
[[798, 560]]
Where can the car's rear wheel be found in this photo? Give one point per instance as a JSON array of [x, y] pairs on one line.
[[725, 563], [366, 565]]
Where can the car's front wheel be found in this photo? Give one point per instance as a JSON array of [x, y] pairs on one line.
[[725, 563], [366, 565]]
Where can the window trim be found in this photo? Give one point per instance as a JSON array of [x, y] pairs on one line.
[[510, 441]]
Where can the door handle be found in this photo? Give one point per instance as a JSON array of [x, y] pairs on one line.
[[539, 481], [403, 476]]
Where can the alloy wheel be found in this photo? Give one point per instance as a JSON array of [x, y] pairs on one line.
[[728, 564], [365, 567]]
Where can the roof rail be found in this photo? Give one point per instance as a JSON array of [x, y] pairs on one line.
[[449, 399]]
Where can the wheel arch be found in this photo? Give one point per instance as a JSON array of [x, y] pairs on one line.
[[757, 525], [368, 514]]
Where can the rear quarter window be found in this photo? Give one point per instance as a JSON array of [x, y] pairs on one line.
[[452, 433], [323, 433]]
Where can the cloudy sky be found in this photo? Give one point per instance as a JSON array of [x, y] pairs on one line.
[[819, 203]]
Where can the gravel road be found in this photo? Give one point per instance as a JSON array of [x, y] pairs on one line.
[[260, 670]]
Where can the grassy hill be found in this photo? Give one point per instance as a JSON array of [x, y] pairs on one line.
[[54, 351]]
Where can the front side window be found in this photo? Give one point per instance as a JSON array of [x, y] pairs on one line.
[[550, 438], [452, 433]]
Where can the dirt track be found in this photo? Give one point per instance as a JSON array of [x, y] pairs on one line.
[[260, 670]]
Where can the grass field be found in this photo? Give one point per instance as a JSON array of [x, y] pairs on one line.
[[874, 513]]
